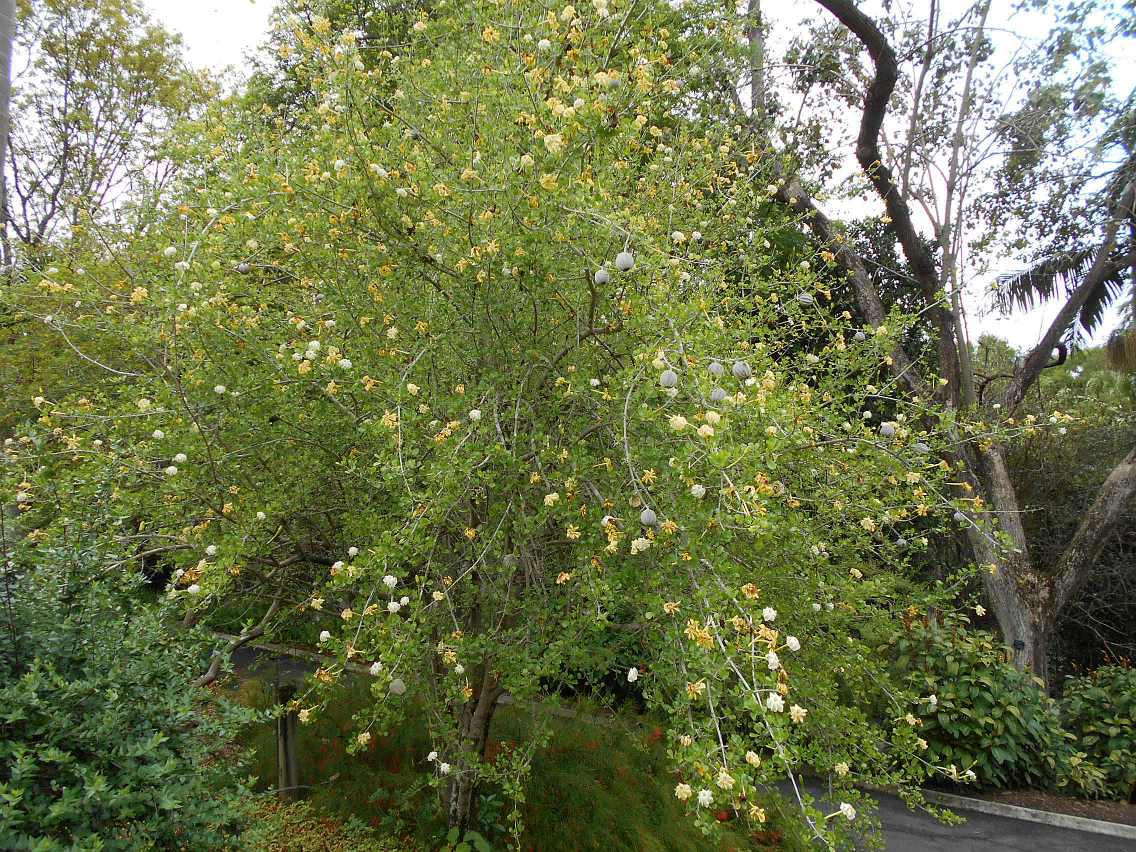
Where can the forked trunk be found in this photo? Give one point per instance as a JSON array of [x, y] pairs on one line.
[[474, 718]]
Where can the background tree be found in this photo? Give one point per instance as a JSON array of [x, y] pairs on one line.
[[935, 164], [97, 85]]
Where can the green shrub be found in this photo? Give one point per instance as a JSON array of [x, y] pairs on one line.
[[1099, 711], [979, 713], [104, 741]]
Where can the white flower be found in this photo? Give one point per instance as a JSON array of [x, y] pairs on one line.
[[432, 756], [211, 550], [772, 660], [639, 545], [376, 667], [345, 363], [171, 471], [194, 589], [158, 434], [697, 491], [713, 418], [544, 44], [459, 669], [393, 607], [848, 811], [337, 566], [632, 674], [769, 614], [792, 643], [444, 768], [775, 702], [475, 415], [260, 516], [752, 758], [404, 600], [181, 458], [170, 251], [933, 700], [352, 551], [683, 792], [325, 635], [23, 496], [841, 769], [390, 581], [816, 607], [678, 422], [705, 797], [705, 431], [313, 346]]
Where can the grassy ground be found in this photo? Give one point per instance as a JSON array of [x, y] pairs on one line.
[[596, 787]]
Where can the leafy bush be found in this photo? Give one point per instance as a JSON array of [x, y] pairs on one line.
[[978, 712], [106, 742], [1098, 710]]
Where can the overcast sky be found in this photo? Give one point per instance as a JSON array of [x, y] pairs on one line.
[[218, 33]]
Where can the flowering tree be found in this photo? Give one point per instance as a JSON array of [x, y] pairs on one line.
[[485, 354]]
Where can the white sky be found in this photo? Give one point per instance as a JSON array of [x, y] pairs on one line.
[[219, 33]]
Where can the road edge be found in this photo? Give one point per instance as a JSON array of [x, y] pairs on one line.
[[1057, 820]]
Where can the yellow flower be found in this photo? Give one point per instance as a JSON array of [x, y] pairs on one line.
[[798, 713], [548, 181], [563, 577], [572, 533], [670, 607], [551, 499], [554, 142], [694, 690], [490, 35], [470, 533], [751, 591]]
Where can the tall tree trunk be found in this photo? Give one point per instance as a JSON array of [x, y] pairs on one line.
[[7, 37], [474, 719]]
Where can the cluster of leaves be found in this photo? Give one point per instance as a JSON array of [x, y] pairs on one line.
[[107, 743], [981, 717], [1099, 710]]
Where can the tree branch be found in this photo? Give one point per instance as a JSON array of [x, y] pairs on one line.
[[1035, 362], [1096, 526], [254, 633], [871, 162]]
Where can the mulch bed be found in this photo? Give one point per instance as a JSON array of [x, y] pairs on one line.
[[1120, 812]]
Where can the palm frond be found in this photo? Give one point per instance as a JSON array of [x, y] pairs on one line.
[[1057, 276]]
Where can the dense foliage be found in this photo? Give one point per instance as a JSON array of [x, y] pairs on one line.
[[1099, 710], [106, 743], [454, 351]]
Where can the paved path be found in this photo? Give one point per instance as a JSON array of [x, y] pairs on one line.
[[917, 831]]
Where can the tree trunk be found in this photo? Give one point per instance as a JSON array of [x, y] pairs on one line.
[[474, 719], [7, 37]]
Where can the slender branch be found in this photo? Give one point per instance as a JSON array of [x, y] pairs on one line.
[[1035, 362], [1097, 525]]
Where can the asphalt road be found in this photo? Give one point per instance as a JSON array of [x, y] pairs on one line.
[[916, 831], [904, 830]]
